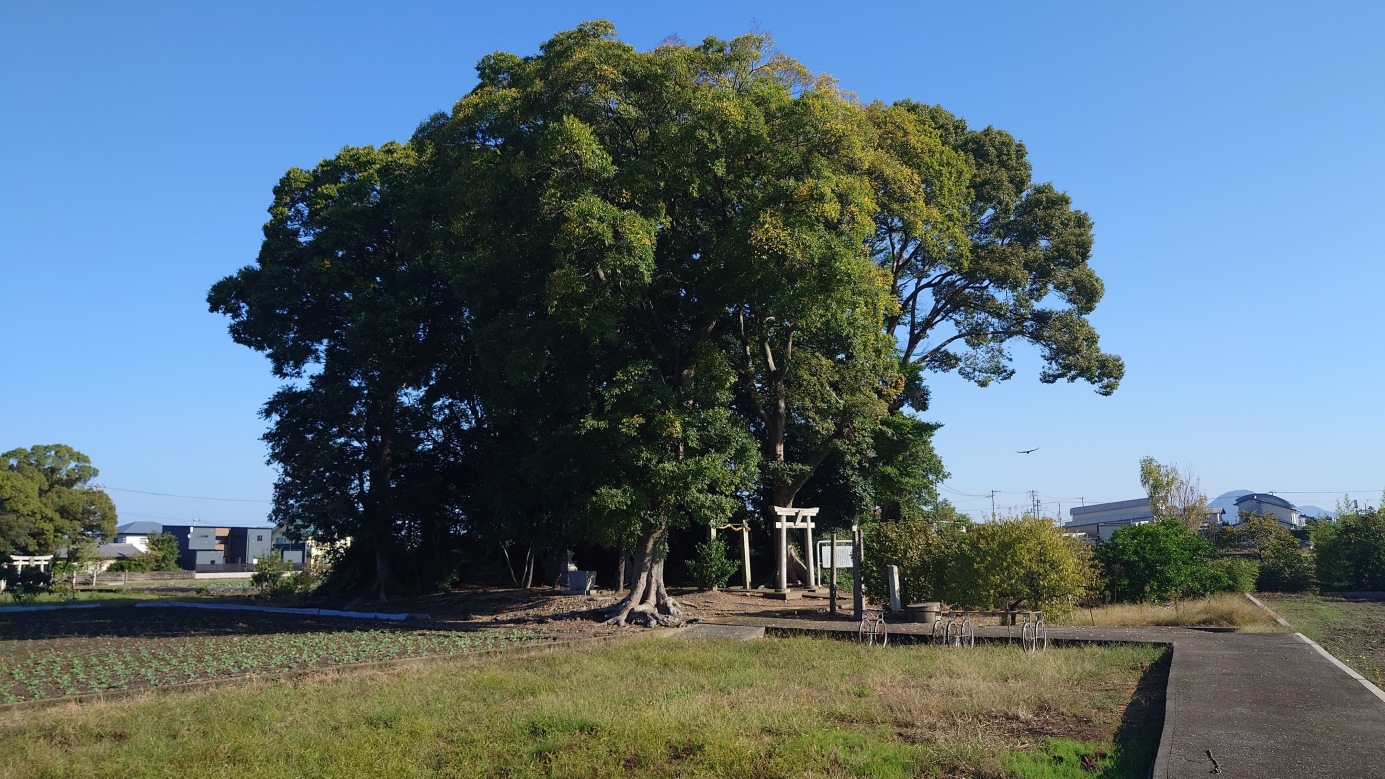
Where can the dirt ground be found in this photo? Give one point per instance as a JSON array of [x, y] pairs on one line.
[[580, 615]]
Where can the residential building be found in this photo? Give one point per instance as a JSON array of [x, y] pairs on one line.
[[1270, 505], [200, 545], [136, 534]]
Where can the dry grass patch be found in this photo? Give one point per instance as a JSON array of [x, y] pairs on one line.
[[773, 708], [1227, 610]]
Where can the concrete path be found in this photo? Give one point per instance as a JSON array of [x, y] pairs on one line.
[[1267, 705], [710, 630]]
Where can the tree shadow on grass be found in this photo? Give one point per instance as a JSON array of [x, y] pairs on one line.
[[1142, 724]]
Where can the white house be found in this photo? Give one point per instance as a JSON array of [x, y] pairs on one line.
[[1270, 505], [136, 534]]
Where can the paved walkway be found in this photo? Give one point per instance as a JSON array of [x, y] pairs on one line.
[[1267, 705]]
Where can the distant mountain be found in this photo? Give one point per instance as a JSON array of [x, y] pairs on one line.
[[1314, 512], [1227, 501]]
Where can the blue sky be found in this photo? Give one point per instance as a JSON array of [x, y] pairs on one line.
[[1230, 155]]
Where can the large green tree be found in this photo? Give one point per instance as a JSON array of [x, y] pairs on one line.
[[1017, 269], [47, 499], [669, 225], [614, 293], [348, 304]]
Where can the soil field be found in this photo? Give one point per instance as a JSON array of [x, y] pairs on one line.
[[1352, 630], [51, 654]]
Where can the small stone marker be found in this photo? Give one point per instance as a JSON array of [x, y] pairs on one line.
[[580, 582], [892, 571]]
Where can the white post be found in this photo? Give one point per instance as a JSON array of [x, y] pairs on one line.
[[808, 554], [857, 554], [781, 550], [892, 571], [832, 571], [745, 553]]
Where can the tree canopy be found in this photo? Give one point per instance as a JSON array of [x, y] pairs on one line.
[[614, 293], [47, 499]]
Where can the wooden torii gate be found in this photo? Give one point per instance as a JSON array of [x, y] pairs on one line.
[[744, 530], [793, 518]]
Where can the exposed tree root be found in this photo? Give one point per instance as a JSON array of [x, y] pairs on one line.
[[648, 603]]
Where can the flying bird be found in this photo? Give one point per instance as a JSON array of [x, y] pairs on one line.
[[1026, 451]]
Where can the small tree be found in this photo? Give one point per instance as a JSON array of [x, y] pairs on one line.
[[270, 576], [1282, 565], [162, 552], [1022, 563], [710, 566], [27, 584], [1160, 560], [78, 558], [1173, 494]]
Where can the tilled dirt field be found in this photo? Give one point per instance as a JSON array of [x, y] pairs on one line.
[[51, 654]]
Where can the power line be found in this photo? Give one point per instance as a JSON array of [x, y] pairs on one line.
[[956, 491], [189, 497]]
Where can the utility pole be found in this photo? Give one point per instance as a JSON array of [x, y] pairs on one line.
[[993, 505], [1034, 499]]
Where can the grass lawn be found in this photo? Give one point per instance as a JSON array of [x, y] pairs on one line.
[[1353, 631], [784, 707]]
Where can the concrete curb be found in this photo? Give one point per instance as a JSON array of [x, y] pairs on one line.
[[23, 609], [1162, 755], [1376, 691], [1283, 622]]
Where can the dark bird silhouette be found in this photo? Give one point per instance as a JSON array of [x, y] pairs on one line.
[[1026, 451]]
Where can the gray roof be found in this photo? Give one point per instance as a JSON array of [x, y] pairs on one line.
[[1267, 499], [140, 528], [117, 551], [1136, 503]]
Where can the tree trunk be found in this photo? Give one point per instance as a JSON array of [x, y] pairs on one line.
[[648, 603]]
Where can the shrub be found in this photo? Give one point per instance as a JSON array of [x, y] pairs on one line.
[[1241, 573], [1292, 572], [1021, 563], [710, 566], [271, 579], [1014, 563], [1351, 552], [26, 585], [922, 552], [1160, 561]]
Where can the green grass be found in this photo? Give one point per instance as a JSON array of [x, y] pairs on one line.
[[1353, 631], [118, 597], [772, 708]]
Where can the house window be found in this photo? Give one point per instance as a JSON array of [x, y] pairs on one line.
[[259, 538]]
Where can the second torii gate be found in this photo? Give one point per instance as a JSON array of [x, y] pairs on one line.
[[793, 518]]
